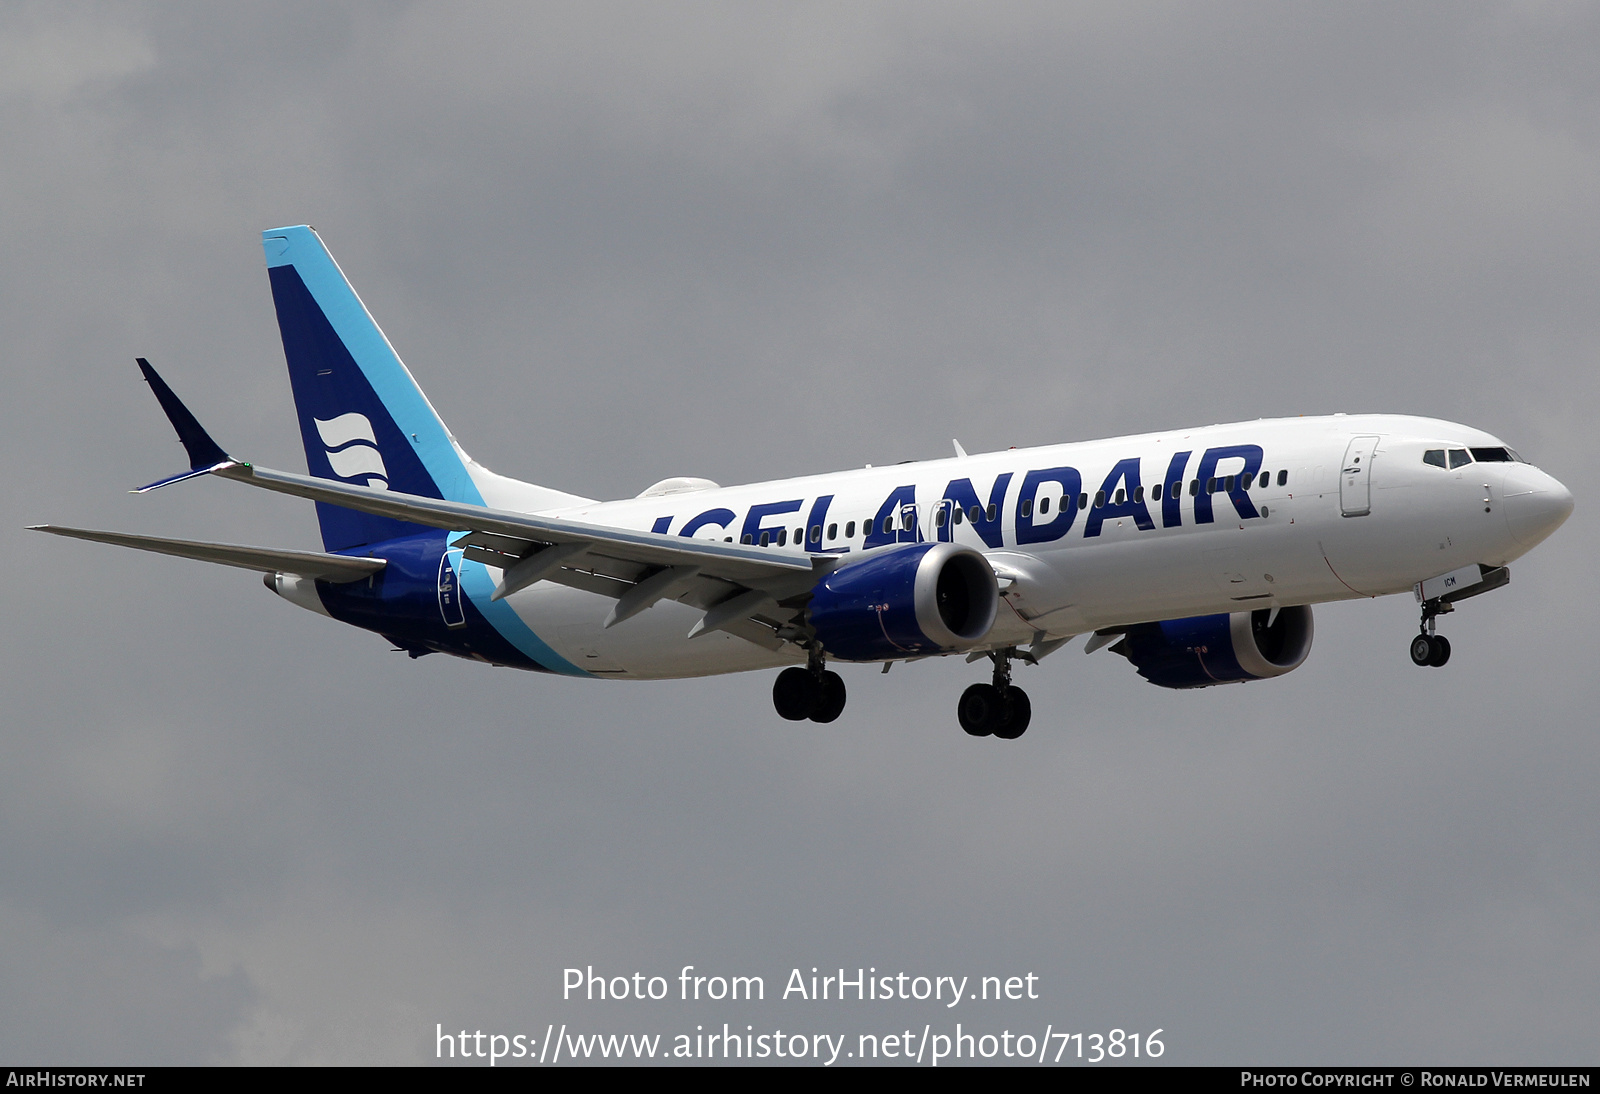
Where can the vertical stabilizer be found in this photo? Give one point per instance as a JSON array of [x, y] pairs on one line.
[[362, 417]]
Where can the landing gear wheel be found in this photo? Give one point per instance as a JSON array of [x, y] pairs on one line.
[[1019, 712], [830, 697], [796, 694], [978, 709], [1422, 650], [1441, 651]]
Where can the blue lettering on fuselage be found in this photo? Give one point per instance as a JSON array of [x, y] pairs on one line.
[[1172, 493], [1132, 505], [1067, 512], [752, 520], [961, 493], [816, 527], [720, 517], [1251, 455], [890, 511]]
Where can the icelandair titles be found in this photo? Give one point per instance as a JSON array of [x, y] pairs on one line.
[[1230, 470]]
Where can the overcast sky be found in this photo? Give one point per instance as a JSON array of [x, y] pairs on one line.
[[620, 242]]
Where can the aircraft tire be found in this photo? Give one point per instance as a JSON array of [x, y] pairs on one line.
[[1018, 709], [1441, 651], [830, 698], [1421, 650], [978, 709], [795, 694]]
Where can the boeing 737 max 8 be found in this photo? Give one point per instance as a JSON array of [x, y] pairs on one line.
[[1194, 553]]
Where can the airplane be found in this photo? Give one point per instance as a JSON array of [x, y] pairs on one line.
[[1196, 554]]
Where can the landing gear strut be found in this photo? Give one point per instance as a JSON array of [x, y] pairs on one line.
[[813, 692], [1428, 648], [999, 708]]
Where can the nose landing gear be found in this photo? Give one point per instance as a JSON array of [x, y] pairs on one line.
[[1428, 648], [997, 709], [813, 692]]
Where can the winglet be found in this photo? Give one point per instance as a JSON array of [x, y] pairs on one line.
[[205, 454]]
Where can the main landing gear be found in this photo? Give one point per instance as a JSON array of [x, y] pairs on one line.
[[998, 709], [1429, 648], [813, 692]]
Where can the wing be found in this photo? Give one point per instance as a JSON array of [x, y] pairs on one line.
[[751, 592]]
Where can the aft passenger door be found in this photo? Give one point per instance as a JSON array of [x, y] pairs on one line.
[[1355, 477]]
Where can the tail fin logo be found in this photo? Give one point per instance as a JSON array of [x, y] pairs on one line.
[[352, 447]]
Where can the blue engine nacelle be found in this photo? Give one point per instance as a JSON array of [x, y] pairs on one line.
[[1219, 649], [911, 601]]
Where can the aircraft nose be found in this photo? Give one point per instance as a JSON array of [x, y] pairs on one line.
[[1535, 503]]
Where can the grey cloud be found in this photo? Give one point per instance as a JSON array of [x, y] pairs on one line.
[[619, 242]]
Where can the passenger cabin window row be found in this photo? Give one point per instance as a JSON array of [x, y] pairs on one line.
[[974, 514]]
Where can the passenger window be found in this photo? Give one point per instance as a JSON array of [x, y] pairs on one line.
[[1120, 495], [1027, 507], [975, 514], [833, 532], [888, 525], [1044, 505], [766, 538], [956, 516], [1283, 478], [993, 512], [1434, 457], [1155, 493], [1247, 481], [850, 529], [1211, 485], [816, 533], [1083, 501], [1228, 486], [1459, 457], [1194, 487], [938, 518], [1099, 499], [746, 539], [783, 537]]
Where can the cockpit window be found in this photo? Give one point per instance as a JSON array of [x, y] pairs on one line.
[[1459, 457], [1434, 456], [1491, 455]]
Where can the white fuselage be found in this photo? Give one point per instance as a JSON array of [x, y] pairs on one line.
[[1310, 534]]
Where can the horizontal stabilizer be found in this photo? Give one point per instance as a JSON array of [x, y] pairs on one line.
[[313, 564]]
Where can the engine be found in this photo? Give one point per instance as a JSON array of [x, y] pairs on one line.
[[912, 601], [1219, 649]]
